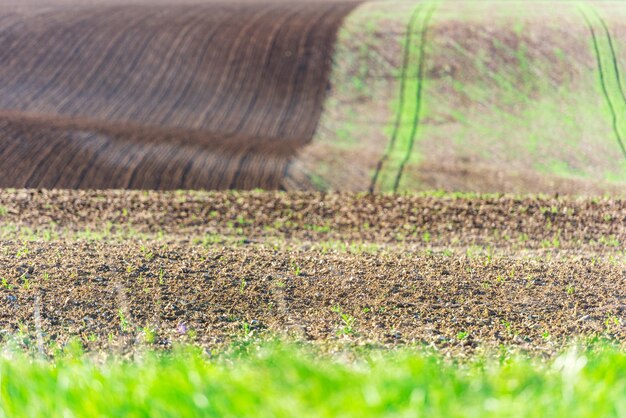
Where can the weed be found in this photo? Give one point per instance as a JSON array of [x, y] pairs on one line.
[[570, 289], [447, 252], [426, 237], [245, 330], [555, 242], [347, 320], [611, 321], [46, 275], [548, 224], [3, 211], [22, 252], [472, 251], [462, 335], [297, 270], [317, 228], [489, 259], [5, 284], [507, 325], [147, 254], [512, 273], [610, 241], [243, 221], [242, 286], [124, 324], [161, 276], [210, 239]]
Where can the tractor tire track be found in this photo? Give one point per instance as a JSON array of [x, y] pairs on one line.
[[418, 99], [425, 12], [613, 55], [403, 80], [615, 118]]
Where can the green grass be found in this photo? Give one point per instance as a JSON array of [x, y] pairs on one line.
[[276, 379], [506, 103], [514, 112]]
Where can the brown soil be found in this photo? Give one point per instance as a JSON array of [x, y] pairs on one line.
[[457, 273], [150, 95], [502, 221]]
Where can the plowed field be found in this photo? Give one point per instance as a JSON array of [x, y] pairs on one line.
[[338, 95], [125, 269], [150, 95]]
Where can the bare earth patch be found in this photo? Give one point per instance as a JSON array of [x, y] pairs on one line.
[[124, 269]]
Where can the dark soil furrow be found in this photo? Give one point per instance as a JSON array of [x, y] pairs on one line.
[[256, 71]]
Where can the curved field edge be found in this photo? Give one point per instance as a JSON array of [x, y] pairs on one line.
[[501, 110], [198, 95], [253, 379]]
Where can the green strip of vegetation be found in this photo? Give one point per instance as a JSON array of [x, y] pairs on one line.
[[282, 380], [389, 169], [609, 73]]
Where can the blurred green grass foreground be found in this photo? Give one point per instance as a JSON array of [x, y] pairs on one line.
[[267, 379]]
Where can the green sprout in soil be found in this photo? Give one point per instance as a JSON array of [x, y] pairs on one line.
[[297, 270], [22, 252], [124, 324], [5, 284], [462, 335], [348, 322]]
